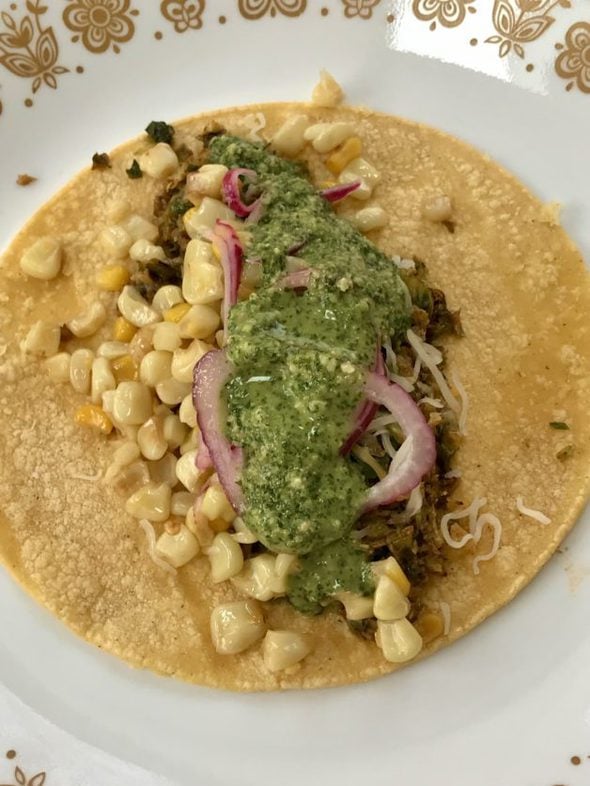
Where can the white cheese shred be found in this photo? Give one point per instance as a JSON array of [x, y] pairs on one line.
[[426, 356], [150, 535], [487, 519], [531, 512], [432, 402], [464, 403], [471, 512], [445, 610], [453, 473]]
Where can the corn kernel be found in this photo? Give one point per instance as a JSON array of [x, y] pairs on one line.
[[166, 297], [373, 217], [93, 416], [58, 367], [166, 337], [326, 136], [360, 169], [282, 649], [135, 308], [43, 259], [113, 278], [123, 330], [151, 439], [164, 470], [42, 339], [138, 228], [199, 322], [116, 241], [288, 140], [150, 502], [340, 158], [132, 404], [155, 367], [225, 557], [103, 379], [88, 322], [399, 640], [178, 548], [184, 360], [327, 92], [356, 607], [144, 251], [207, 181], [81, 370], [171, 391], [216, 505], [159, 161], [390, 603], [236, 626], [176, 313], [125, 369], [430, 626]]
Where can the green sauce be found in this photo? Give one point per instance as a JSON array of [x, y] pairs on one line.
[[300, 359]]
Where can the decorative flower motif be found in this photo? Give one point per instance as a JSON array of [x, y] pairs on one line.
[[450, 13], [183, 14], [361, 8], [100, 23], [521, 25], [254, 9], [574, 62], [28, 50]]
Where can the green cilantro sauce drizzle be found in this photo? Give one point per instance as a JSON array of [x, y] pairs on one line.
[[300, 359]]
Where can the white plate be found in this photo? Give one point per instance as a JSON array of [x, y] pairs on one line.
[[506, 705]]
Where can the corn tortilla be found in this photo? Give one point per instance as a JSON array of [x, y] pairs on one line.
[[524, 297]]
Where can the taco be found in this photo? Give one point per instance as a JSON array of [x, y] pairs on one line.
[[291, 396]]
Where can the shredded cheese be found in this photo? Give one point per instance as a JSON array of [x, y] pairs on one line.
[[453, 473], [531, 512], [404, 264], [150, 535], [424, 354], [363, 454], [487, 519], [471, 511], [386, 441], [433, 402], [445, 610], [464, 402]]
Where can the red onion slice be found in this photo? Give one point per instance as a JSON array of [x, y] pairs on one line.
[[416, 456], [230, 190], [210, 375], [231, 255], [342, 190], [203, 460], [299, 279], [365, 412]]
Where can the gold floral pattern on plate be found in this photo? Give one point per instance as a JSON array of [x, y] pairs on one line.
[[20, 779], [361, 8], [448, 13], [184, 14], [255, 9], [573, 63], [100, 24], [521, 24], [28, 49]]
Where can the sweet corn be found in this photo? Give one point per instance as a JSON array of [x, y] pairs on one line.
[[191, 442], [225, 557], [241, 532], [198, 219], [178, 548], [159, 161], [125, 455], [389, 603], [135, 308], [282, 649], [132, 404], [398, 640], [369, 218], [171, 391], [220, 525], [340, 158], [327, 92], [43, 259], [155, 367], [215, 504], [187, 413], [112, 278], [356, 607], [150, 502], [144, 251], [150, 439], [92, 416], [236, 626], [176, 313], [174, 431], [430, 626], [185, 360], [103, 379], [166, 337], [129, 479], [181, 503], [139, 228], [391, 567], [58, 367], [437, 208], [199, 322], [284, 565], [164, 470], [207, 181], [187, 472], [289, 140], [87, 323], [112, 350], [81, 370], [116, 241], [257, 578], [326, 136], [166, 297], [360, 169], [123, 330], [124, 369], [42, 339], [141, 343]]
